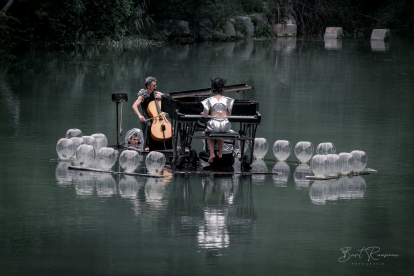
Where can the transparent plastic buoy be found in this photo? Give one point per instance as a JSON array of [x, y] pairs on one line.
[[107, 158], [260, 148], [101, 141], [360, 160], [325, 148], [89, 140], [282, 150], [304, 151], [65, 149], [85, 154], [73, 132], [319, 165], [77, 141], [129, 160], [155, 162], [334, 164], [347, 163]]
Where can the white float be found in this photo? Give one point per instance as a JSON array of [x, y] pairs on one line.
[[282, 150], [73, 132], [65, 149], [304, 151], [347, 163], [129, 160], [155, 162], [107, 158]]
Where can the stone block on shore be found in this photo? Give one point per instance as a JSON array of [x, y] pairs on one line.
[[286, 29], [333, 33], [380, 34]]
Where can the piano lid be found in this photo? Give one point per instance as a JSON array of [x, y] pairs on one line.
[[207, 91]]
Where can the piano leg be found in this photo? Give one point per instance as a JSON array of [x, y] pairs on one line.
[[174, 142]]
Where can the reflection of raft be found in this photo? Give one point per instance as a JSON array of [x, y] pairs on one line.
[[364, 172], [214, 170], [114, 172]]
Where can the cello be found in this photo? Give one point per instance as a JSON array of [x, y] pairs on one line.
[[161, 127]]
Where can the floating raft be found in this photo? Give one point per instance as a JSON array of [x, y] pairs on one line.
[[113, 172], [312, 177], [364, 172], [209, 172]]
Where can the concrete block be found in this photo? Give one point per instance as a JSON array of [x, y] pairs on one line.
[[380, 34], [286, 29], [333, 32]]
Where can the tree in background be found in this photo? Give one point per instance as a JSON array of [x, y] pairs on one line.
[[69, 21], [313, 16], [80, 20], [8, 34]]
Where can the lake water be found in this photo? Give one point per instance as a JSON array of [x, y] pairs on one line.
[[353, 93]]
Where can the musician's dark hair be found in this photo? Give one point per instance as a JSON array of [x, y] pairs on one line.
[[149, 80], [217, 85]]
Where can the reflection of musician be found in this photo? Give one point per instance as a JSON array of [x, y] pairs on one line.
[[219, 106], [145, 96]]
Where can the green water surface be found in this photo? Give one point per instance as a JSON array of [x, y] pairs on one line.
[[353, 93]]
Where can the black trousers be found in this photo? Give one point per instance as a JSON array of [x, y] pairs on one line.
[[149, 142], [146, 129]]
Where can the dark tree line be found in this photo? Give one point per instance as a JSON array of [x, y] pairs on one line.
[[71, 21]]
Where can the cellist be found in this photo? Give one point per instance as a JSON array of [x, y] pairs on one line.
[[145, 96]]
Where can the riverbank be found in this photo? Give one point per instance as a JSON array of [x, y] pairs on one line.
[[149, 23]]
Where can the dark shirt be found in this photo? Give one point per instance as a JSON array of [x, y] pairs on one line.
[[148, 97]]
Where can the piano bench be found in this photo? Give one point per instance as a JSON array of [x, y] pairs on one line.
[[218, 136], [228, 134]]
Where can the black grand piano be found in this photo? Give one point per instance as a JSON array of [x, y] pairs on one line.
[[184, 108]]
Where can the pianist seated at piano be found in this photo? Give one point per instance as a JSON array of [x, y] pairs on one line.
[[219, 107]]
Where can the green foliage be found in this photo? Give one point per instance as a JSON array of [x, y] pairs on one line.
[[75, 20], [252, 6], [239, 26], [396, 14], [100, 21], [87, 18], [187, 10], [220, 12], [313, 16], [264, 31], [8, 37], [139, 19]]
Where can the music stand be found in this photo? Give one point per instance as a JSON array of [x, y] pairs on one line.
[[118, 98]]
